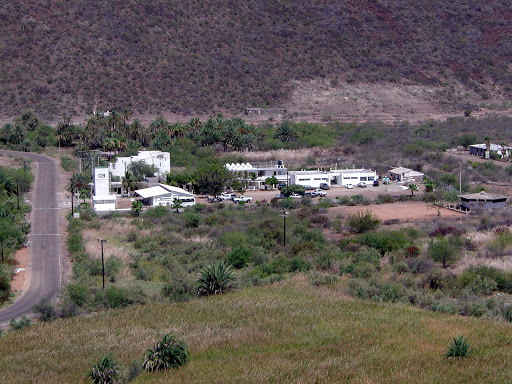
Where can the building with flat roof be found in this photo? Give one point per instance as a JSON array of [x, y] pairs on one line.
[[103, 200], [343, 177], [404, 174], [161, 161], [482, 200], [311, 178], [256, 174], [480, 149], [164, 195]]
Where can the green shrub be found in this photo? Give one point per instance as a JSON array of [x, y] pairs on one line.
[[239, 257], [360, 222], [5, 282], [106, 371], [459, 348], [16, 325], [298, 264], [167, 353], [192, 220], [481, 286], [77, 293], [384, 199], [363, 270], [401, 267], [45, 310], [385, 241], [443, 251], [112, 267], [393, 292], [278, 266], [215, 279], [115, 297]]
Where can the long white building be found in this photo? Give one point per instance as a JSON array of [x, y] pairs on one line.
[[164, 195], [161, 160], [311, 178], [103, 200], [342, 177], [261, 171]]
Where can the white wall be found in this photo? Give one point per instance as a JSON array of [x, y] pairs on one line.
[[345, 177], [101, 182], [161, 160], [312, 179]]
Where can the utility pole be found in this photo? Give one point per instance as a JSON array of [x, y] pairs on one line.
[[284, 225], [72, 193], [460, 182], [102, 263], [18, 194]]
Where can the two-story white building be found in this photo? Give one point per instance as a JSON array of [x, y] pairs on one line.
[[161, 161], [103, 200], [342, 177], [311, 178], [256, 174]]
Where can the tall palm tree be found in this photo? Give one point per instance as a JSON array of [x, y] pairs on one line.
[[176, 204], [487, 141], [504, 150], [413, 188], [127, 181]]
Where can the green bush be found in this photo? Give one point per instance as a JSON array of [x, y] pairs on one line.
[[481, 286], [16, 325], [115, 297], [5, 282], [106, 371], [363, 270], [444, 251], [77, 293], [384, 199], [385, 241], [192, 220], [45, 310], [459, 348], [360, 222], [167, 353], [215, 279], [298, 264], [239, 257]]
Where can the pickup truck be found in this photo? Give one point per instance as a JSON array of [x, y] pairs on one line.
[[295, 196], [242, 199], [227, 196], [320, 192]]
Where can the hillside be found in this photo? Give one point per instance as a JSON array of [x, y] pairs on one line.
[[69, 57], [282, 333]]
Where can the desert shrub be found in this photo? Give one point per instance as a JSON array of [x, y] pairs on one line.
[[401, 267], [503, 279], [191, 219], [363, 270], [75, 242], [233, 239], [314, 236], [444, 251], [412, 251], [384, 241], [239, 257], [444, 230], [359, 288], [77, 293], [298, 264], [16, 325], [360, 222], [115, 297], [106, 371], [368, 255], [438, 279], [277, 266], [215, 279], [156, 212], [179, 287], [326, 203], [419, 265], [5, 282], [359, 200], [384, 199], [507, 313], [306, 201], [501, 241], [68, 308], [45, 310], [481, 286], [344, 200], [321, 279], [131, 237], [112, 267], [459, 348], [393, 292], [445, 306], [169, 352]]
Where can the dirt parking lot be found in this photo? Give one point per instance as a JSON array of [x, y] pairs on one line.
[[369, 192], [401, 211]]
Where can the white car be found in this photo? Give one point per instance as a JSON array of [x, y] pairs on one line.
[[349, 186], [227, 196], [295, 196], [403, 187], [242, 199], [320, 192]]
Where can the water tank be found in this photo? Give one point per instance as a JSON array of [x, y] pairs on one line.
[[279, 163]]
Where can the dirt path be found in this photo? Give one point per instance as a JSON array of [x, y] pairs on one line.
[[400, 211]]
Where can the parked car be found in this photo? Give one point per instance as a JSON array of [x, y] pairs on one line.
[[376, 183], [280, 196], [212, 199], [319, 192], [281, 186], [295, 196], [403, 187], [349, 186], [308, 187], [362, 184], [325, 186], [310, 193], [242, 199]]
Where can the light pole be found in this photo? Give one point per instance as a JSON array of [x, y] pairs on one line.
[[285, 213], [102, 263]]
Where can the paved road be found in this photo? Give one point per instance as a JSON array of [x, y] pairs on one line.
[[45, 278]]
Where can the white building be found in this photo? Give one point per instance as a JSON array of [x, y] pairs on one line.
[[311, 178], [103, 200], [403, 174], [164, 195], [481, 149], [261, 171], [342, 177], [161, 160]]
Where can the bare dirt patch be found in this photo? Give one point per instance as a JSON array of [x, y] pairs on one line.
[[400, 211], [21, 279]]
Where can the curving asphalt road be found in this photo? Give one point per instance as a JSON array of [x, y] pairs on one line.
[[45, 280]]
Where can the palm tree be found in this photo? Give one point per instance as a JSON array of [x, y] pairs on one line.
[[176, 204], [413, 188], [504, 150], [106, 371], [127, 181], [429, 184], [487, 141], [167, 353], [285, 132], [136, 207], [215, 279]]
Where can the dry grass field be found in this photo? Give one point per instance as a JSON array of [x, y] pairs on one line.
[[288, 332]]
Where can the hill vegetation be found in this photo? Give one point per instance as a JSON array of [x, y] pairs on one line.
[[282, 333], [153, 56]]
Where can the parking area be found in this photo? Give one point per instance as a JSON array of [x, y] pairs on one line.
[[370, 192]]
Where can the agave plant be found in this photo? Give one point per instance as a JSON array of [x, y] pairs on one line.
[[106, 371], [459, 347], [167, 353], [215, 279]]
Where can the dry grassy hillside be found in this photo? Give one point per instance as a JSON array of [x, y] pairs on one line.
[[68, 57]]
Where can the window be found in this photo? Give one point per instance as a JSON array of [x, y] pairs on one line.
[[346, 178], [281, 173], [324, 179], [363, 178], [354, 177], [371, 178], [317, 178], [304, 179]]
